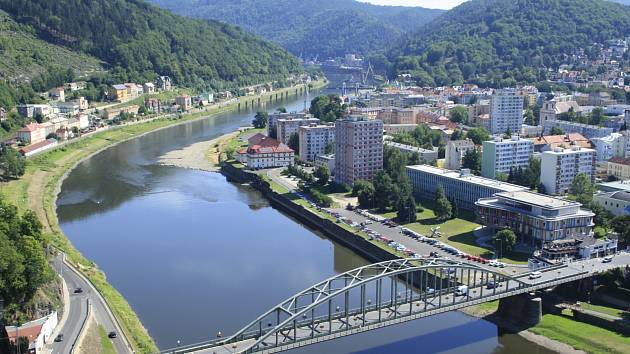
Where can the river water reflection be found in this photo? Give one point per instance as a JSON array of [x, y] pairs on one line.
[[194, 254]]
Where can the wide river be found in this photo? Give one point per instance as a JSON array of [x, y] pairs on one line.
[[194, 254]]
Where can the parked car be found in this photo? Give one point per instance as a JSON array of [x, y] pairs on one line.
[[461, 290], [607, 259], [59, 338], [78, 290], [112, 335], [535, 275], [491, 284]]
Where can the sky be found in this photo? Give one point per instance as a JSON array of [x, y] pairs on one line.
[[432, 4]]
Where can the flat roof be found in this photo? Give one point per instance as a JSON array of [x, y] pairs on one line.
[[470, 178], [537, 199]]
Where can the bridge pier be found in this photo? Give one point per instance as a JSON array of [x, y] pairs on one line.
[[524, 310]]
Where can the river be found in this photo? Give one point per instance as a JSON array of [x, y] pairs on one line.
[[194, 254]]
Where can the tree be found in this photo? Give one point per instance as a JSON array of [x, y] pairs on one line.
[[458, 114], [457, 135], [260, 120], [478, 135], [12, 163], [557, 131], [443, 209], [472, 161], [383, 191], [327, 108], [365, 192], [582, 189], [508, 133], [281, 109], [294, 142], [322, 174], [504, 241], [330, 148], [597, 116], [621, 225], [530, 117], [406, 209], [454, 209]]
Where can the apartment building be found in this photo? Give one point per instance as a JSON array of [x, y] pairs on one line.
[[619, 167], [588, 131], [314, 139], [536, 218], [285, 127], [502, 155], [426, 155], [455, 151], [506, 111], [462, 187], [358, 149], [559, 167]]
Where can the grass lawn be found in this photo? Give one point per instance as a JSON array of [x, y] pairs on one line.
[[582, 336], [604, 309], [106, 344]]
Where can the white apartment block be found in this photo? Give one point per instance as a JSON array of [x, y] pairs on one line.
[[358, 149], [502, 155], [455, 151], [285, 127], [506, 111], [273, 118], [559, 168], [314, 139]]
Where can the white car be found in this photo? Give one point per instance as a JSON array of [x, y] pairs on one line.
[[607, 259], [535, 275]]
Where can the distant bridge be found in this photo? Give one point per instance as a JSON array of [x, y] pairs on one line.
[[384, 294]]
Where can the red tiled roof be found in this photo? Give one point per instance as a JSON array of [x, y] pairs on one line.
[[620, 160], [35, 146], [31, 127]]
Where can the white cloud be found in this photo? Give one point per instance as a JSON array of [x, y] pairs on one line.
[[432, 4]]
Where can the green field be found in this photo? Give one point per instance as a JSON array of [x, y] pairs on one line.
[[582, 336]]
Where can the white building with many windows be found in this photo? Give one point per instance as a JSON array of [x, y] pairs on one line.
[[559, 168], [502, 155], [266, 153], [314, 139], [285, 127], [506, 111], [358, 149], [455, 152]]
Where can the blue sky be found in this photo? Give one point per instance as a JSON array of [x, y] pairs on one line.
[[432, 4]]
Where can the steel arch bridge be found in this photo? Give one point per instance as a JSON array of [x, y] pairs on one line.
[[363, 299]]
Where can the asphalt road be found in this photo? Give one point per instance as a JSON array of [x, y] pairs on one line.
[[78, 308]]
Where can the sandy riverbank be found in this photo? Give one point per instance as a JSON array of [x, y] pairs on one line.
[[203, 156]]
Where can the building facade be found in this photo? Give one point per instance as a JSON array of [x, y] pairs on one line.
[[462, 187], [506, 111], [618, 202], [455, 151], [535, 217], [314, 139], [588, 131], [559, 167], [358, 149], [426, 155], [619, 167], [502, 155], [266, 153], [285, 127]]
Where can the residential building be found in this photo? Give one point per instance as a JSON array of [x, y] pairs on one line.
[[619, 167], [184, 102], [133, 90], [588, 131], [536, 218], [32, 133], [3, 114], [392, 129], [425, 155], [607, 146], [272, 128], [314, 139], [148, 87], [550, 142], [38, 147], [33, 110], [462, 187], [111, 113], [268, 153], [617, 202], [163, 83], [38, 333], [455, 151], [152, 105], [477, 110], [119, 93], [358, 149], [57, 94], [559, 167], [326, 160], [82, 102], [285, 127], [502, 155], [71, 108], [506, 111]]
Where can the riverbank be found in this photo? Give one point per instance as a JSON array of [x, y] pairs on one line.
[[38, 189]]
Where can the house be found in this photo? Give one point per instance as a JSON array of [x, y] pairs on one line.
[[82, 102], [36, 148], [38, 332], [152, 104], [3, 114], [33, 110], [133, 90], [57, 94], [619, 167], [268, 153], [111, 113], [256, 139], [32, 133], [119, 93], [163, 83], [184, 102], [148, 87]]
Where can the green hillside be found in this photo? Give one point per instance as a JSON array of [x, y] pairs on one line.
[[139, 41], [325, 28], [498, 42]]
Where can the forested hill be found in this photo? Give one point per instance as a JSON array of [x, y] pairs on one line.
[[324, 28], [140, 41], [497, 42]]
